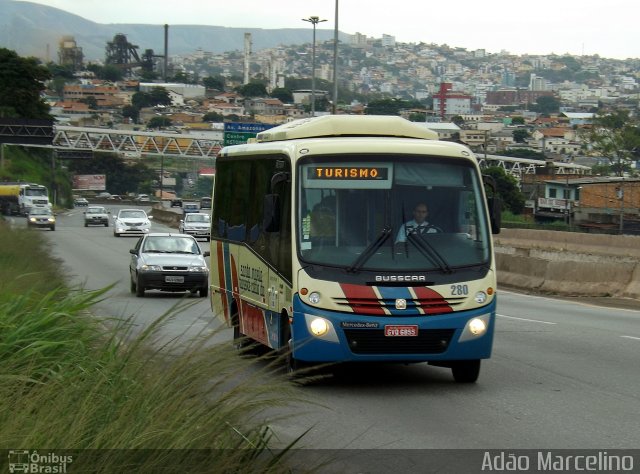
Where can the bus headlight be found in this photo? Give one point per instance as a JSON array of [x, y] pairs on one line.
[[314, 297], [475, 328], [481, 297], [321, 328]]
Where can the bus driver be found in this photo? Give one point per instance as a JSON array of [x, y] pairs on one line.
[[418, 225]]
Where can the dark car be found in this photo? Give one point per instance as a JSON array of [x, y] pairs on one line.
[[168, 262], [188, 207], [80, 202], [176, 202], [205, 203]]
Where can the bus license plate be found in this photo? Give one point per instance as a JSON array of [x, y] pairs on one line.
[[400, 331], [174, 279]]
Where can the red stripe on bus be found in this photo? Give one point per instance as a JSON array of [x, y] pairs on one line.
[[435, 304], [221, 280], [362, 299]]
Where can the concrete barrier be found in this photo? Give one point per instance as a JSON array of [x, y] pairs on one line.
[[168, 216], [569, 263]]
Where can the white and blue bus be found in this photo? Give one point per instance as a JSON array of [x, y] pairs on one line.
[[319, 246]]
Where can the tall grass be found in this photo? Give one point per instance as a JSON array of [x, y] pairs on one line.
[[68, 382]]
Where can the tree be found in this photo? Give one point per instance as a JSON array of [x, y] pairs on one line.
[[418, 117], [616, 137], [253, 89], [507, 188], [214, 83], [458, 120], [91, 101], [159, 122], [148, 76], [213, 117], [545, 105], [109, 72], [21, 82], [140, 100], [181, 77], [385, 107], [284, 95], [159, 96], [522, 153], [58, 70], [131, 112], [520, 135], [517, 120]]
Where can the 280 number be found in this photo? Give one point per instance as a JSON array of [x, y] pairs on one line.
[[459, 290]]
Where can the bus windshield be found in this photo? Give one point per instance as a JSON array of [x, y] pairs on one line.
[[386, 212]]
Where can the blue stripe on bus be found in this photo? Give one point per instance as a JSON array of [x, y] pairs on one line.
[[394, 293], [227, 270]]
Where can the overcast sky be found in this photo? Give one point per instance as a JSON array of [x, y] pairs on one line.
[[610, 28]]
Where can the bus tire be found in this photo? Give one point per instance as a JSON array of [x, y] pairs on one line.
[[239, 341], [466, 371]]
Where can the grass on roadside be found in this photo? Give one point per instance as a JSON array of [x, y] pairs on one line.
[[68, 383]]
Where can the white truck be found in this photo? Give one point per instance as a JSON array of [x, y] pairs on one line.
[[20, 198]]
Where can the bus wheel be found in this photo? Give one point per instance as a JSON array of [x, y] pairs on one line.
[[466, 371], [239, 340]]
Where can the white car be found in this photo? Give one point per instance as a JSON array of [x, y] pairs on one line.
[[131, 221], [197, 224]]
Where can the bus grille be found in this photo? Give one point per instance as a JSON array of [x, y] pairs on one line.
[[373, 341], [375, 306]]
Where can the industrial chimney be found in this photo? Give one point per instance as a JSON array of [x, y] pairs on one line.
[[247, 56]]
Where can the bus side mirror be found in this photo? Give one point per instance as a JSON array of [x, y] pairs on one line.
[[271, 213], [494, 203], [495, 213], [281, 177]]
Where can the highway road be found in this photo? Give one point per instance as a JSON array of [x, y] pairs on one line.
[[564, 375]]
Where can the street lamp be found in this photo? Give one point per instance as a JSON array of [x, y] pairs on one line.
[[314, 20]]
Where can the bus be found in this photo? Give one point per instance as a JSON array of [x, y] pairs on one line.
[[313, 254]]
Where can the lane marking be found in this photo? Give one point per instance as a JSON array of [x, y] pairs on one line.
[[631, 337], [524, 319]]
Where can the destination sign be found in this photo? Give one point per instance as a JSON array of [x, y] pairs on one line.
[[347, 172]]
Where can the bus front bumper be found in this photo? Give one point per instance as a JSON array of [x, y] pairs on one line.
[[329, 336]]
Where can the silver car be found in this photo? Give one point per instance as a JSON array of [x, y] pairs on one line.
[[41, 217], [168, 262], [96, 215], [131, 221], [197, 224]]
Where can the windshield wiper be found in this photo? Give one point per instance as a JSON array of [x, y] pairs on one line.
[[370, 250], [430, 252]]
